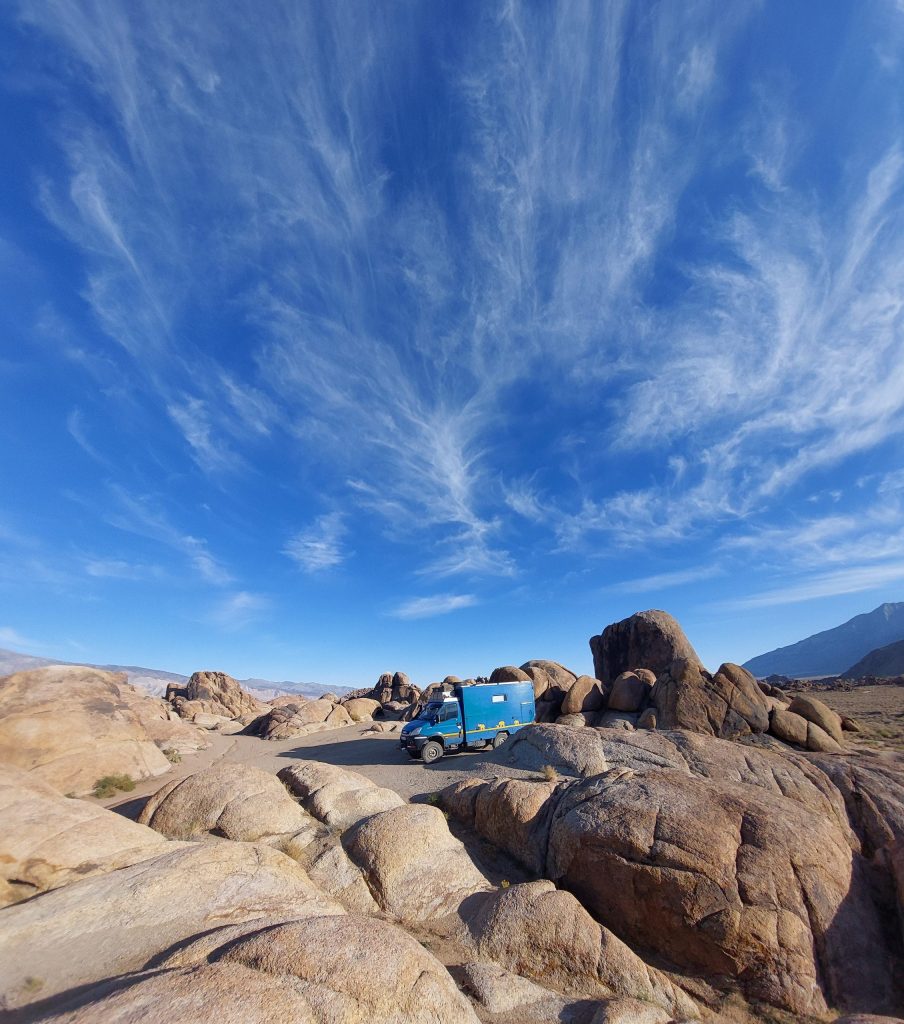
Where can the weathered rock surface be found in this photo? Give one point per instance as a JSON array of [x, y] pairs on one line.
[[319, 970], [70, 726], [219, 694], [509, 674], [116, 922], [768, 892], [415, 867], [728, 704], [629, 693], [650, 640], [547, 675], [501, 991], [47, 840], [318, 850], [235, 801], [301, 718], [571, 751], [813, 710], [585, 694], [514, 814], [544, 933], [336, 796], [361, 709], [773, 891], [624, 720], [788, 727]]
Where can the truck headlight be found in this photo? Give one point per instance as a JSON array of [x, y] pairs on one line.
[[415, 731]]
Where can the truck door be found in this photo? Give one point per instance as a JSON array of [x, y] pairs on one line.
[[527, 712], [450, 724]]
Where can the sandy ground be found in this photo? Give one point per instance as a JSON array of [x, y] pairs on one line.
[[878, 709]]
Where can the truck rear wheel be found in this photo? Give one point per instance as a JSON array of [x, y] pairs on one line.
[[432, 751], [499, 739]]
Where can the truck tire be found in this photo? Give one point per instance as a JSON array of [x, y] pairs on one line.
[[499, 739], [431, 752]]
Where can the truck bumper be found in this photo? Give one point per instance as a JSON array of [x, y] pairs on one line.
[[415, 743]]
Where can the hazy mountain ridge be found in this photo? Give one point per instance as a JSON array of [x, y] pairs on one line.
[[832, 651], [154, 681]]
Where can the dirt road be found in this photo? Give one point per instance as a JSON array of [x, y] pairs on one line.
[[377, 756]]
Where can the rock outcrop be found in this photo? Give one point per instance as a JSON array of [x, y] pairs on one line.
[[548, 675], [650, 640], [214, 693], [317, 970], [118, 921], [414, 866], [47, 840], [543, 932], [728, 704], [336, 796], [777, 891], [70, 726], [235, 801], [301, 718]]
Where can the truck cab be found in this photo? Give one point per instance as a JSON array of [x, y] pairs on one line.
[[469, 718]]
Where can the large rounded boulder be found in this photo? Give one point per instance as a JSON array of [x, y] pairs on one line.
[[234, 801], [651, 640]]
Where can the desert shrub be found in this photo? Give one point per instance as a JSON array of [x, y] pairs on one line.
[[172, 755], [549, 773], [432, 798], [109, 785]]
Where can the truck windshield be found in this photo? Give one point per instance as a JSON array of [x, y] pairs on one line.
[[431, 712]]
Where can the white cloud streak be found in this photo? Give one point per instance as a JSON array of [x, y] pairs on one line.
[[319, 547], [429, 607]]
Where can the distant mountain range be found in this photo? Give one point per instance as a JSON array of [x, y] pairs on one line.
[[884, 661], [154, 681], [835, 651]]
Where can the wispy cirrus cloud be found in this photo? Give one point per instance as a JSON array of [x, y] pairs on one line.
[[428, 607], [238, 610], [121, 569], [665, 580], [136, 514], [628, 278], [321, 546], [852, 579]]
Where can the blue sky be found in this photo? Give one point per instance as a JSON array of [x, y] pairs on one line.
[[340, 338]]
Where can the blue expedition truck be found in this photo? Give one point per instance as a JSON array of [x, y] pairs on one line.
[[469, 718]]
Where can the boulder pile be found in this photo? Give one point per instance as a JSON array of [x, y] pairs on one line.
[[393, 697], [294, 716], [648, 676], [214, 700]]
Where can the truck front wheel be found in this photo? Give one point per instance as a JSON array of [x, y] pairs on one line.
[[432, 751]]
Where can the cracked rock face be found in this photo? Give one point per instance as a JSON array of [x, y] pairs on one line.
[[720, 859], [650, 640], [728, 704]]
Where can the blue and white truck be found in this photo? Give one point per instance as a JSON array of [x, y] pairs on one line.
[[469, 718]]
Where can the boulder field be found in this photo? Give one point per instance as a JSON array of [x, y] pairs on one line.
[[667, 846], [244, 902]]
